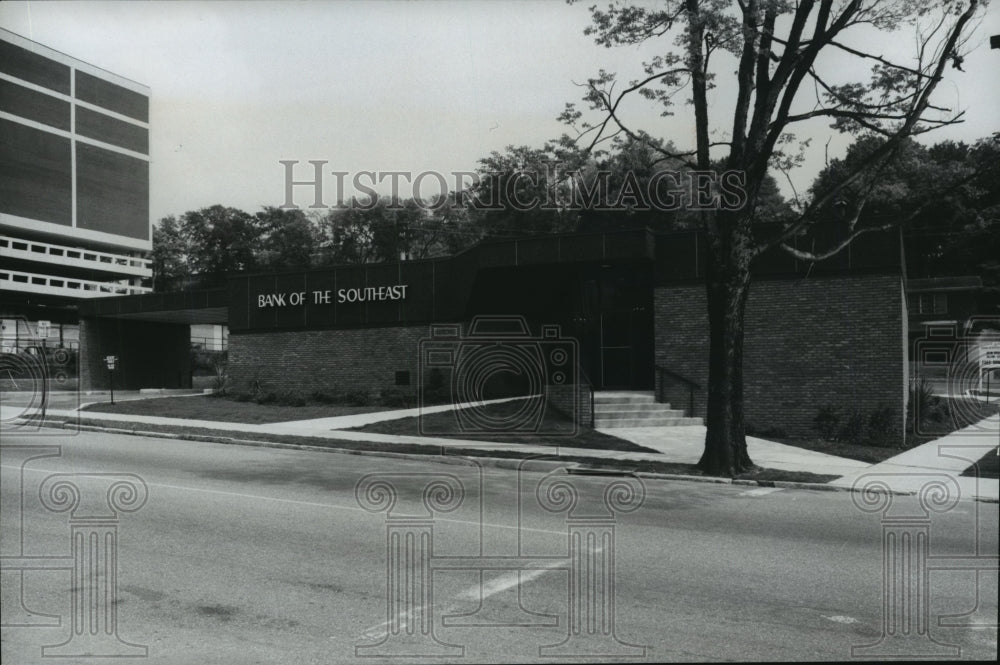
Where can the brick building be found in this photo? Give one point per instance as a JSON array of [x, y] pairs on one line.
[[74, 191], [567, 314]]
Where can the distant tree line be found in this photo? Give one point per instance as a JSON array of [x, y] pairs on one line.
[[957, 233]]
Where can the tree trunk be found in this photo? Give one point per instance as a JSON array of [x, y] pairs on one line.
[[728, 284]]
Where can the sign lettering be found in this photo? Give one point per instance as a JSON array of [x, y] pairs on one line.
[[343, 296]]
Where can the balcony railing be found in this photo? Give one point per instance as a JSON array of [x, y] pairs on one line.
[[62, 286], [32, 250]]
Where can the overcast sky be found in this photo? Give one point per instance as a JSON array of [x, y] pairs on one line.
[[392, 85]]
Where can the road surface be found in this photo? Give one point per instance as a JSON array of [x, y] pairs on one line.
[[258, 555]]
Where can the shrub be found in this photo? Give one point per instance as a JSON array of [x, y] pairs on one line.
[[853, 429], [827, 421], [267, 398], [290, 398], [356, 398], [204, 362], [244, 397], [322, 397], [395, 397], [435, 390], [883, 429], [220, 382], [924, 407], [921, 402]]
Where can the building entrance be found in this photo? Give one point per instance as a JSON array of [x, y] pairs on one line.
[[607, 309], [615, 328]]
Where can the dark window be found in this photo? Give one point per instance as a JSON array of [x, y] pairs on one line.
[[34, 105], [931, 303], [34, 68], [35, 178], [111, 130], [112, 192], [403, 378], [112, 97]]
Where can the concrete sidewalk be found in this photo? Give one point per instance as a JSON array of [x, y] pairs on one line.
[[907, 472], [686, 444], [944, 458]]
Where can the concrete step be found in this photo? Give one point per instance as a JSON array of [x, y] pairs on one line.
[[640, 415], [612, 423], [624, 397], [633, 408]]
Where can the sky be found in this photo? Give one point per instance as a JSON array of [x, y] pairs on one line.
[[237, 87]]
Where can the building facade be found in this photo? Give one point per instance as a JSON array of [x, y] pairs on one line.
[[74, 188], [561, 314]]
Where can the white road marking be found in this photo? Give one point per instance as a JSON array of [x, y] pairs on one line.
[[504, 582], [475, 592], [839, 618], [761, 491]]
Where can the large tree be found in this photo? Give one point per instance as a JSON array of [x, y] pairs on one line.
[[787, 63], [950, 232], [289, 239], [170, 254], [221, 240]]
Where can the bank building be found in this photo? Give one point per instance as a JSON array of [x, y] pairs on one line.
[[564, 316]]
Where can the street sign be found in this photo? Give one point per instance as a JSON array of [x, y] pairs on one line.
[[110, 361], [989, 357]]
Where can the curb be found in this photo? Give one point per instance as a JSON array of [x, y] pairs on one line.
[[513, 463]]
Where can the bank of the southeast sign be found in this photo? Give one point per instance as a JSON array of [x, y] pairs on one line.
[[327, 296]]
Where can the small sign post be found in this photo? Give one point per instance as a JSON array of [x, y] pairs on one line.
[[989, 361], [111, 361]]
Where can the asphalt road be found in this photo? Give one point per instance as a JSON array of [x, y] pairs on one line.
[[254, 555]]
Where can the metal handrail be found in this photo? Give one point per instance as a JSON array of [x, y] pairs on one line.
[[590, 387], [692, 386]]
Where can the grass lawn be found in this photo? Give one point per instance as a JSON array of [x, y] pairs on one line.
[[553, 430], [872, 454], [989, 466], [613, 466], [224, 409]]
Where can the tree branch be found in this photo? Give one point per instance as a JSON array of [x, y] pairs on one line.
[[813, 256], [889, 148]]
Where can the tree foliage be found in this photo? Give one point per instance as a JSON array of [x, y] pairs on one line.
[[950, 194], [788, 64]]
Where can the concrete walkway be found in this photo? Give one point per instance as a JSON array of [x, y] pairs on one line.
[[909, 471], [686, 444], [319, 428], [362, 419], [944, 458]]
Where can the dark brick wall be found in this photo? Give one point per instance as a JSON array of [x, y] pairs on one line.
[[305, 361], [809, 342], [571, 401], [150, 354]]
